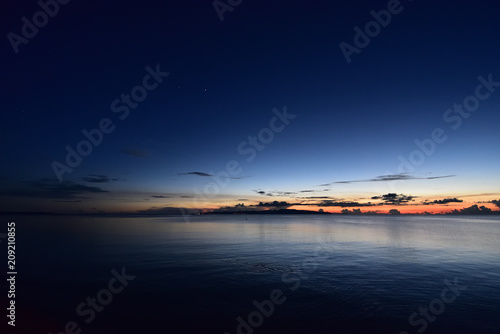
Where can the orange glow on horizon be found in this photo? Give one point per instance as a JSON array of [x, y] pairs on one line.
[[403, 209]]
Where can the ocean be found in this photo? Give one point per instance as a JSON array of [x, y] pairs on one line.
[[256, 274]]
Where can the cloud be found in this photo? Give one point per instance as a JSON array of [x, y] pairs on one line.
[[496, 202], [196, 173], [343, 204], [52, 189], [262, 206], [479, 195], [283, 193], [279, 193], [392, 198], [275, 204], [186, 196], [98, 179], [390, 177], [276, 193], [359, 212], [208, 175], [235, 208], [160, 196], [136, 153], [473, 210], [444, 201]]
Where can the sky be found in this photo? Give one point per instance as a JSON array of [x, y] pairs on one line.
[[123, 107]]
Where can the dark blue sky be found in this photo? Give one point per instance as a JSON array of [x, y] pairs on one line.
[[353, 121]]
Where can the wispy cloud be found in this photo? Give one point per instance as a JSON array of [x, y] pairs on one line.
[[98, 179], [52, 189], [136, 153], [343, 204], [279, 193], [390, 177], [202, 174], [291, 194], [160, 196], [196, 173], [479, 195], [276, 193]]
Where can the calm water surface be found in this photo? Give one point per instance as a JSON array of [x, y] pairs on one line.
[[334, 274]]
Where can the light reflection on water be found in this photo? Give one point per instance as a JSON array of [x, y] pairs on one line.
[[203, 274]]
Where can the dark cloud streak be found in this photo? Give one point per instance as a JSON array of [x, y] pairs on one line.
[[98, 179], [52, 189], [390, 177], [444, 201], [136, 153]]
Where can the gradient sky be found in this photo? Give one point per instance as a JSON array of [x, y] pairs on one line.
[[351, 121]]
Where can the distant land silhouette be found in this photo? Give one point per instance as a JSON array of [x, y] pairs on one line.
[[172, 211]]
